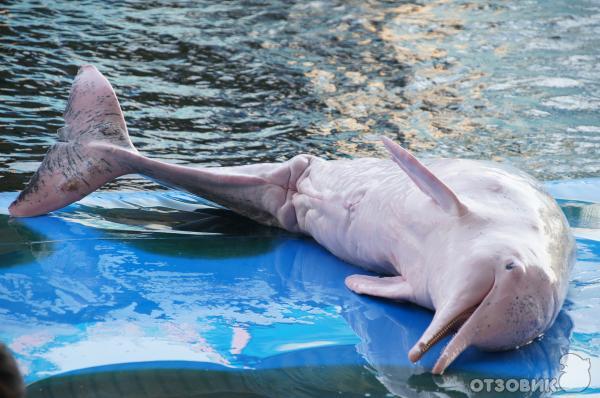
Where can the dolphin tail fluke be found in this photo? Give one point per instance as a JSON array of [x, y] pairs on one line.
[[81, 161]]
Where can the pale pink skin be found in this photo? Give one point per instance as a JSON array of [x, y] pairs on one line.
[[480, 243]]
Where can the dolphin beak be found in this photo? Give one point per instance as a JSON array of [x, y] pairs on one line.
[[463, 338], [452, 317], [428, 340]]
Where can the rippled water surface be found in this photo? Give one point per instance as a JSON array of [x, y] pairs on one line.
[[222, 83]]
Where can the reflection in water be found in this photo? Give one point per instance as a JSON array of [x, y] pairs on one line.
[[386, 337], [582, 214], [274, 320], [181, 380], [225, 234], [388, 330], [19, 244]]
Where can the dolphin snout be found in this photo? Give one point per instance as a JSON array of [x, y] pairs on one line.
[[454, 312]]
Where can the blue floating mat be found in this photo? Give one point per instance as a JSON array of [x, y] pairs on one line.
[[163, 286]]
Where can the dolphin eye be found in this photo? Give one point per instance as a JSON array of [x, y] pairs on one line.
[[510, 266]]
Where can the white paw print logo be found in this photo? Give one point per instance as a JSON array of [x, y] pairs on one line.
[[574, 373]]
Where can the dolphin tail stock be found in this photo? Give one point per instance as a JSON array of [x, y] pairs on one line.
[[80, 161], [94, 148]]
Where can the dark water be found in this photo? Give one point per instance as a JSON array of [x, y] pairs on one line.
[[306, 382], [222, 83]]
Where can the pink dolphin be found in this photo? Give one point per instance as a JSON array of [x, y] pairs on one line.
[[480, 243]]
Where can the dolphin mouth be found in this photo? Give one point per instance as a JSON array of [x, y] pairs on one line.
[[456, 324], [452, 326]]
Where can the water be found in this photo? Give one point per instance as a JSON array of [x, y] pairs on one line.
[[235, 82], [228, 83], [157, 295]]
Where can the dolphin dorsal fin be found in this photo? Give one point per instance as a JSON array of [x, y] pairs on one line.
[[423, 178]]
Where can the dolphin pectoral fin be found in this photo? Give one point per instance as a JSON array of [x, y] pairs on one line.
[[425, 180], [390, 287]]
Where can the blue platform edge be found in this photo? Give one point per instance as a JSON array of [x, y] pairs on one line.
[[133, 280]]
